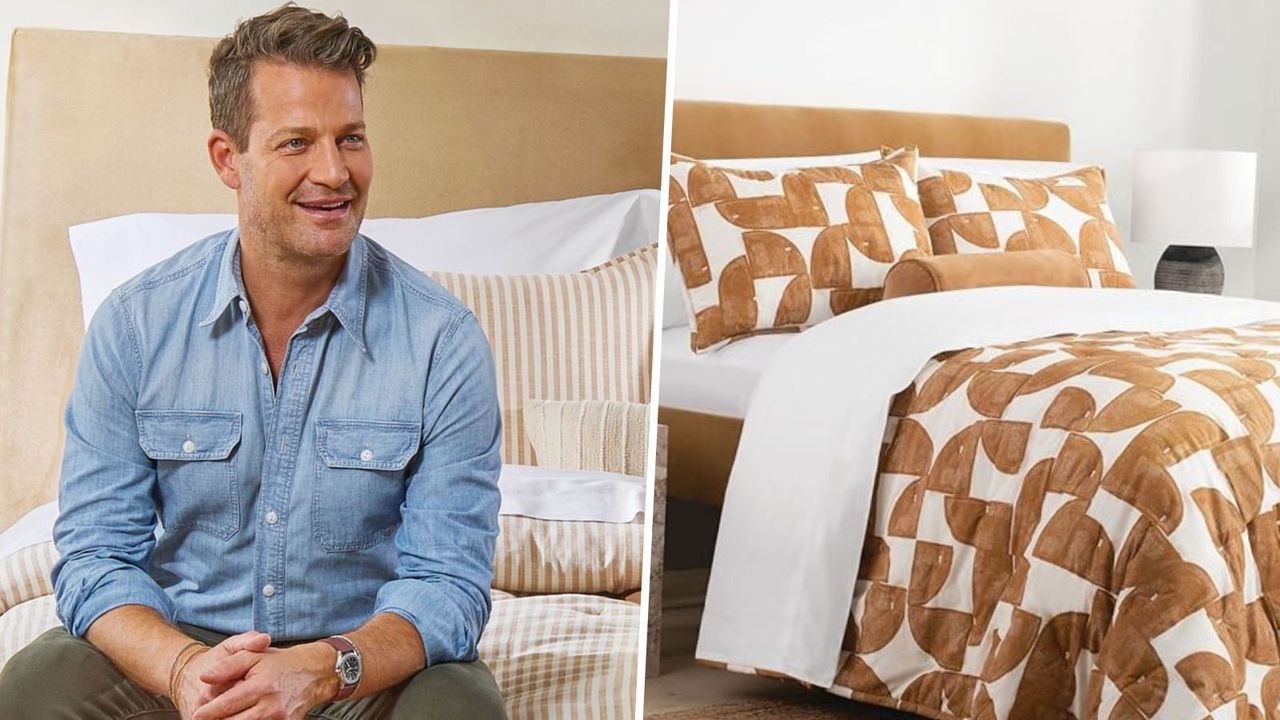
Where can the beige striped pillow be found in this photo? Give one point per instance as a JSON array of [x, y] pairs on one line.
[[606, 435], [575, 336], [560, 556], [26, 574]]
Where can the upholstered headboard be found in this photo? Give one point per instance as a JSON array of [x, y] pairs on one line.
[[104, 124], [706, 129], [702, 447]]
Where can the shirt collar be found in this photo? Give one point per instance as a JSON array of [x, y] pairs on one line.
[[346, 301]]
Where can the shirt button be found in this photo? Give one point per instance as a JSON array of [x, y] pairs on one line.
[[265, 367], [366, 455], [268, 590], [244, 307], [188, 447], [272, 517]]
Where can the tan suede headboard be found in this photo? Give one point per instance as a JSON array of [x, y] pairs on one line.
[[104, 124], [702, 447], [707, 129]]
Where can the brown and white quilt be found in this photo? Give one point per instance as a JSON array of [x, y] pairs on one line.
[[1080, 526], [1076, 526]]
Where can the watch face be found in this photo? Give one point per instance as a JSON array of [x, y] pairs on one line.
[[349, 668]]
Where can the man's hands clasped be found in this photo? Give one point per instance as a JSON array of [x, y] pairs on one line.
[[244, 678]]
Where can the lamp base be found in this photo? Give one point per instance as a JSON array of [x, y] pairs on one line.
[[1190, 269]]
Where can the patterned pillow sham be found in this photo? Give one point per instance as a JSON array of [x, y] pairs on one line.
[[768, 250], [973, 213]]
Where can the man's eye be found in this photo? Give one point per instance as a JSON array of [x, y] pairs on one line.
[[354, 139], [294, 144]]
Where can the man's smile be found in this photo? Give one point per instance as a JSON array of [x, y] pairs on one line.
[[332, 208]]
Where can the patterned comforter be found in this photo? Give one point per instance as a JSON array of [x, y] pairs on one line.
[[1079, 526]]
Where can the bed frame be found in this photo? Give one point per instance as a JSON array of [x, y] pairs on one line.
[[104, 124], [702, 446]]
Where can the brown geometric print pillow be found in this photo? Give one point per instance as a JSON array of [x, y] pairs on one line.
[[763, 250], [971, 213]]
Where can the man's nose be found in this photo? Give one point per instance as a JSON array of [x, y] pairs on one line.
[[329, 167]]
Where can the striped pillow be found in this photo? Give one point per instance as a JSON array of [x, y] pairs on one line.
[[26, 574], [26, 597], [575, 336], [560, 556]]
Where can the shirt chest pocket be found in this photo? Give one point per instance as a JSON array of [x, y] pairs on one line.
[[360, 481], [194, 454]]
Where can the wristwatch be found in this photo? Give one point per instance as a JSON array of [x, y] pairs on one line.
[[349, 666]]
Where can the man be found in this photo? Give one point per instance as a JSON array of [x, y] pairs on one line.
[[313, 423]]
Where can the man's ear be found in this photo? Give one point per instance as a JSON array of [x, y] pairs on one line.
[[225, 159]]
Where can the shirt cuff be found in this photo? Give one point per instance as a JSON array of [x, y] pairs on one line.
[[448, 634], [116, 588]]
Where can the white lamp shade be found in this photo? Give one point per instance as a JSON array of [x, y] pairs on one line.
[[1194, 197]]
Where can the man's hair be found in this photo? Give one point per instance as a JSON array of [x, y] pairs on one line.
[[288, 34]]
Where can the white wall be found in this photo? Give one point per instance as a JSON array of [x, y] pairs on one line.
[[598, 27], [1123, 73]]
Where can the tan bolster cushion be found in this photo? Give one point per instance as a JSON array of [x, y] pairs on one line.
[[1052, 268]]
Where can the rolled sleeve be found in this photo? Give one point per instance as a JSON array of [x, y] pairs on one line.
[[105, 531], [104, 586], [450, 514]]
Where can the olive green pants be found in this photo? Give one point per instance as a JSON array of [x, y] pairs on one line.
[[61, 677]]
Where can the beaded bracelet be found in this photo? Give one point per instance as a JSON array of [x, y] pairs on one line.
[[178, 664]]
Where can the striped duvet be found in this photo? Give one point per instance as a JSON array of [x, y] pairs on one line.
[[562, 657]]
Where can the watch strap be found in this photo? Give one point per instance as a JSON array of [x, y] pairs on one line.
[[343, 646]]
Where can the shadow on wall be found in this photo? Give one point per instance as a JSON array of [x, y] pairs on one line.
[[1232, 90], [1251, 74]]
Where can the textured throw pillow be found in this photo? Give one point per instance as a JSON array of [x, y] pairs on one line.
[[763, 250], [575, 336], [973, 213], [588, 435]]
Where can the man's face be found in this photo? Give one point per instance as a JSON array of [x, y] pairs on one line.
[[306, 169]]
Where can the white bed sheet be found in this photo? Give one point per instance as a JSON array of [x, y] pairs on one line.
[[719, 382], [574, 495], [799, 497]]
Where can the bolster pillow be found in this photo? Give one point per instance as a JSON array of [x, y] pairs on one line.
[[1051, 268]]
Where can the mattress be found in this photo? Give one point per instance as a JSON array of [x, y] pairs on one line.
[[714, 383]]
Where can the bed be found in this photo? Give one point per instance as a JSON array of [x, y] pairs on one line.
[[504, 129], [704, 431], [1002, 502]]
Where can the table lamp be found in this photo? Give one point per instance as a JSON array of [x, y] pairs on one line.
[[1195, 201]]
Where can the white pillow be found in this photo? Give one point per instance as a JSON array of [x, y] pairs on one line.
[[31, 529], [559, 236]]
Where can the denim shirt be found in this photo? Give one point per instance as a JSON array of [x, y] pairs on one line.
[[365, 481]]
